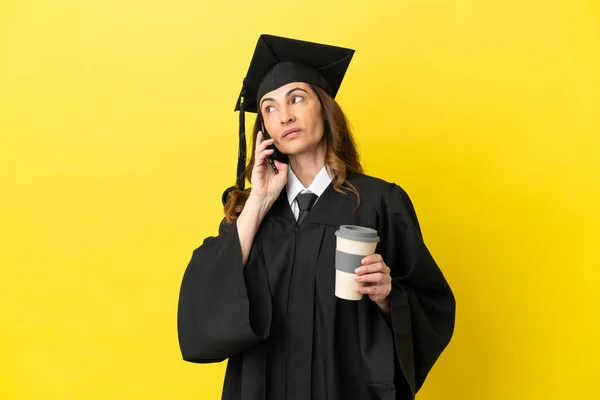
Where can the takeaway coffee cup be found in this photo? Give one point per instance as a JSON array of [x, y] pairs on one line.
[[352, 245]]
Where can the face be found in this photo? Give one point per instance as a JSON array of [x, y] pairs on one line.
[[293, 118]]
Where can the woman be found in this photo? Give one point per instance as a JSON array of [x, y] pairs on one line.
[[261, 293]]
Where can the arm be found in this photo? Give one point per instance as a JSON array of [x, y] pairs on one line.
[[248, 223], [224, 302], [223, 309], [421, 303], [266, 187]]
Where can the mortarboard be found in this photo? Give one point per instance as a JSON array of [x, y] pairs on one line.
[[278, 61]]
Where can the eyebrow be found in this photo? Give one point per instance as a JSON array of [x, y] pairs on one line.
[[286, 95]]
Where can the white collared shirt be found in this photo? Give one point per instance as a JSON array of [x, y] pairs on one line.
[[294, 187]]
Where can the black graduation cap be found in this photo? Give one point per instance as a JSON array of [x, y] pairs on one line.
[[278, 61]]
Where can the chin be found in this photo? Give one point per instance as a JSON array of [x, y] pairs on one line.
[[294, 149], [299, 148]]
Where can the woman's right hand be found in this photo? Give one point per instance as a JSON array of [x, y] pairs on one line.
[[266, 184], [266, 187]]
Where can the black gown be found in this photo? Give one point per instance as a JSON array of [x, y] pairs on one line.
[[286, 335]]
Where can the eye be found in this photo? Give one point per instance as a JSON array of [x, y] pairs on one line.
[[269, 109], [297, 99]]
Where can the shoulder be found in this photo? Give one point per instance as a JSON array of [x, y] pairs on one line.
[[387, 198], [372, 186], [379, 193]]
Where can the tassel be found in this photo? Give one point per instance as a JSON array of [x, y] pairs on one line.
[[241, 166], [240, 181]]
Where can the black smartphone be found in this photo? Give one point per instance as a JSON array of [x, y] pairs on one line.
[[275, 155]]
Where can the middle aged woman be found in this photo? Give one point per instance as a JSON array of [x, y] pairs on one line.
[[262, 292]]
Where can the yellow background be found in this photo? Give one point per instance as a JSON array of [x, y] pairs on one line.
[[118, 136]]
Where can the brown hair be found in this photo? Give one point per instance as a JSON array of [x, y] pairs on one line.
[[341, 157]]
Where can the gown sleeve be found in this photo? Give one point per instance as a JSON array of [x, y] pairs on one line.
[[422, 305], [223, 308]]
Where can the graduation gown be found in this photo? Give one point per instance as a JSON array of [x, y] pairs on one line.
[[286, 335]]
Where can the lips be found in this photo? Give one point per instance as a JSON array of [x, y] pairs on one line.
[[290, 132]]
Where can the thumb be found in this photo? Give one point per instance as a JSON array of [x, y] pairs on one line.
[[282, 167]]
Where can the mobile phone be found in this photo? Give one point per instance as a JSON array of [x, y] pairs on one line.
[[270, 157]]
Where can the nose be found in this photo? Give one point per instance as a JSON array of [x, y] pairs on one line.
[[286, 116]]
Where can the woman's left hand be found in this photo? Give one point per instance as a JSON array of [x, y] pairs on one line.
[[378, 281]]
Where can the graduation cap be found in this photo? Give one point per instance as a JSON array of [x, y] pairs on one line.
[[278, 61]]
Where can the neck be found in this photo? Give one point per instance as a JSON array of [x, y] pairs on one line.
[[307, 165]]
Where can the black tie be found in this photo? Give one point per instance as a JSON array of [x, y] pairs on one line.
[[305, 202]]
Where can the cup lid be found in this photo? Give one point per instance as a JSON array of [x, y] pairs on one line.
[[358, 233]]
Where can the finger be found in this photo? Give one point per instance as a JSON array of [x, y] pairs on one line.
[[260, 138], [373, 258], [371, 290], [260, 157], [368, 269], [263, 154], [374, 277], [263, 145], [280, 166]]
